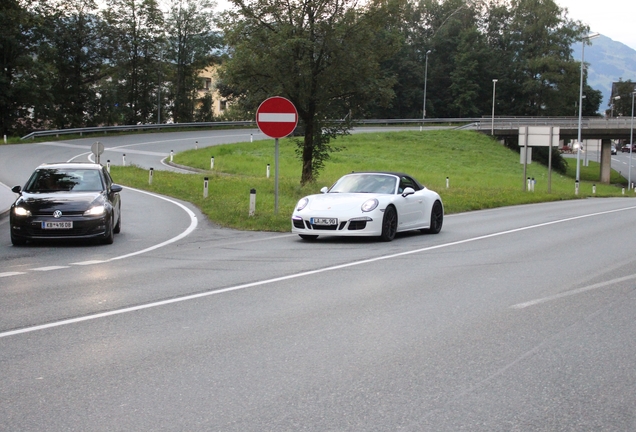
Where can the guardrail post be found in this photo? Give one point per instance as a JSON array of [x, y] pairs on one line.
[[252, 201]]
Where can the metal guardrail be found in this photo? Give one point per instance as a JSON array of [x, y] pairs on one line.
[[475, 123]]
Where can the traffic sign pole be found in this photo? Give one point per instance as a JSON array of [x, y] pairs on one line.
[[276, 117]]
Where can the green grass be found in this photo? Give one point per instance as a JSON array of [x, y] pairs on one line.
[[482, 174]]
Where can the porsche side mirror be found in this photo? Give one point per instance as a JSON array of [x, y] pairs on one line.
[[324, 189], [408, 191]]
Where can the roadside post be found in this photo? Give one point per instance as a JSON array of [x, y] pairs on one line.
[[205, 187], [252, 201], [276, 117], [212, 162], [150, 174]]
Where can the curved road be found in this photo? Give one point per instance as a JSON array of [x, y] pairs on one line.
[[519, 318]]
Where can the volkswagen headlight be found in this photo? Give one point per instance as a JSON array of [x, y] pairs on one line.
[[97, 210], [21, 211]]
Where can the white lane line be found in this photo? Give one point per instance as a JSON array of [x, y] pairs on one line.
[[292, 276], [573, 292], [82, 263], [7, 274], [43, 269]]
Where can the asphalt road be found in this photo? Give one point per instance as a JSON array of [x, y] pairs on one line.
[[518, 318]]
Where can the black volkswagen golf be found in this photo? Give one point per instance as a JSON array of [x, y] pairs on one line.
[[66, 200]]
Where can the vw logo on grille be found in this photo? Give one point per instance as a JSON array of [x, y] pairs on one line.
[[57, 214]]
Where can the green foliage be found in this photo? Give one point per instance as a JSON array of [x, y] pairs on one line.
[[482, 174], [324, 56]]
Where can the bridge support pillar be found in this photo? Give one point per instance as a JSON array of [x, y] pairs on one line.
[[606, 160]]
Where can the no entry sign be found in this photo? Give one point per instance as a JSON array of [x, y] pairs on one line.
[[276, 117]]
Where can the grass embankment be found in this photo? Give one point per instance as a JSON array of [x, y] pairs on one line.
[[482, 174]]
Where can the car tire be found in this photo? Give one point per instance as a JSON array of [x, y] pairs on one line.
[[308, 237], [17, 241], [117, 228], [437, 219], [109, 237], [389, 224]]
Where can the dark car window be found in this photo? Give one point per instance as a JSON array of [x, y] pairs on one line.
[[57, 180], [407, 182]]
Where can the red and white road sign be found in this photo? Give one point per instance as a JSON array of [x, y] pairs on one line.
[[276, 117]]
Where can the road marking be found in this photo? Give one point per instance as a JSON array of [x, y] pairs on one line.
[[49, 268], [573, 292], [7, 274], [292, 276], [82, 263]]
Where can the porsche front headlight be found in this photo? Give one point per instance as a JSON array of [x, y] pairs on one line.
[[302, 204], [369, 205], [21, 211], [97, 210]]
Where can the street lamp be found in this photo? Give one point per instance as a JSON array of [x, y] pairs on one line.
[[578, 150], [492, 124], [615, 98], [631, 145], [425, 79]]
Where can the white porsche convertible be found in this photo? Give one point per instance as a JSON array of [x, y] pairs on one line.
[[369, 204]]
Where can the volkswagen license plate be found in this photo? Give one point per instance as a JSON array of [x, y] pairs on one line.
[[57, 225], [324, 221]]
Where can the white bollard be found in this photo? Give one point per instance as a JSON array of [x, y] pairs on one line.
[[528, 186], [196, 145], [5, 139], [251, 137], [594, 189], [205, 187], [447, 183], [533, 183], [171, 155], [212, 163], [267, 170], [108, 166], [623, 191], [150, 173], [124, 159], [576, 187], [252, 201]]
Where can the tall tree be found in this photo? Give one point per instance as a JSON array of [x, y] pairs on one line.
[[191, 47], [73, 52], [623, 105], [21, 24], [323, 55], [135, 38]]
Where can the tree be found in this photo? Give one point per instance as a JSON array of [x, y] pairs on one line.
[[135, 42], [323, 55], [622, 106], [75, 57], [19, 40], [191, 47]]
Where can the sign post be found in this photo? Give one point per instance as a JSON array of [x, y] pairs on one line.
[[276, 117]]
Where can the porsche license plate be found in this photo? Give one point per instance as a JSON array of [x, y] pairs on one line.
[[57, 225], [324, 221]]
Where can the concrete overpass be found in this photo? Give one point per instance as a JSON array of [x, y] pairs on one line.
[[607, 130]]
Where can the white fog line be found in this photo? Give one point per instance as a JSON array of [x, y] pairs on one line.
[[7, 274], [289, 277], [43, 269], [573, 292]]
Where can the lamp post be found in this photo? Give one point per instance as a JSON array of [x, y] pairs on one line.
[[631, 145], [425, 79], [492, 124], [578, 150]]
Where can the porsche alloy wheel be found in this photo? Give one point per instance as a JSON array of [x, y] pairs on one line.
[[389, 224], [437, 219]]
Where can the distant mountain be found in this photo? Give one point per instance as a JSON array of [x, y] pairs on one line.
[[608, 61]]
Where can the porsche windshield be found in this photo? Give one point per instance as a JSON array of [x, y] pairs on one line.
[[366, 183]]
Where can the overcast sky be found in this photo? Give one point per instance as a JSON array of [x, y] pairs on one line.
[[612, 18]]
